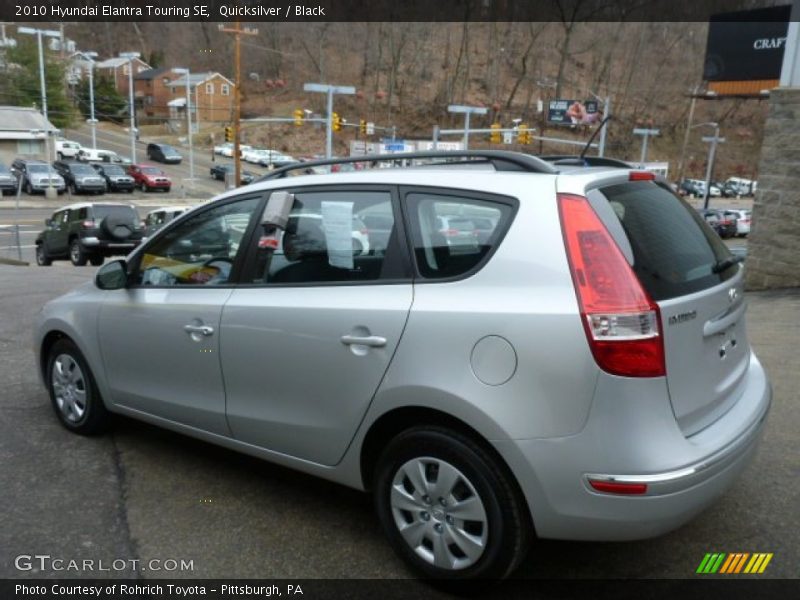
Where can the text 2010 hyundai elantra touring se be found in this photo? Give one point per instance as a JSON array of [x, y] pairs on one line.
[[580, 371]]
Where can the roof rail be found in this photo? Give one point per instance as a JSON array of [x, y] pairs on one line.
[[586, 161], [501, 161]]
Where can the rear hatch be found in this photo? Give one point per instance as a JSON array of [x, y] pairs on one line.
[[688, 271]]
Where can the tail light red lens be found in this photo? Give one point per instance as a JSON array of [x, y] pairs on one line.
[[641, 176], [622, 323], [450, 232]]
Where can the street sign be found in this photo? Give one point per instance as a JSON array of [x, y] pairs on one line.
[[370, 128], [711, 138], [639, 131], [508, 137]]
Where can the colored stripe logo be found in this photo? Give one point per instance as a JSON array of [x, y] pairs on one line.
[[735, 562]]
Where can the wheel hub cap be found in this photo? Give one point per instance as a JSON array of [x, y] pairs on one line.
[[69, 387], [439, 513]]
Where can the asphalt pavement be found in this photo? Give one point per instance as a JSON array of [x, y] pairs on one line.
[[141, 493]]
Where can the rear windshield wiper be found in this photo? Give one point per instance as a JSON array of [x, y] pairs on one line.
[[725, 263]]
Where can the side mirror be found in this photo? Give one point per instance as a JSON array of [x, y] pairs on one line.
[[112, 276], [48, 222]]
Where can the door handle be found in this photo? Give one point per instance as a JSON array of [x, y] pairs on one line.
[[201, 329], [372, 341]]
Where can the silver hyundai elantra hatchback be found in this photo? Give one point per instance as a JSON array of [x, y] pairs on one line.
[[522, 349]]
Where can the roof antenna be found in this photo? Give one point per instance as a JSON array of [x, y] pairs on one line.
[[594, 135]]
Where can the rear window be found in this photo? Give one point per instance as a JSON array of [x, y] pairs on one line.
[[674, 251], [101, 211]]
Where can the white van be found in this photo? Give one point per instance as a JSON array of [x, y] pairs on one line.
[[743, 187]]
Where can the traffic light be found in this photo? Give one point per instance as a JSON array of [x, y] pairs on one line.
[[495, 136], [298, 116], [337, 122], [362, 126], [228, 133], [523, 134]]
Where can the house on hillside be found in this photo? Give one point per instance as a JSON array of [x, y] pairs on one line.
[[77, 67], [152, 92], [23, 133], [212, 97], [116, 69]]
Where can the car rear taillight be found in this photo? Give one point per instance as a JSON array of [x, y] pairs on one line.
[[87, 224], [641, 176], [622, 323], [449, 232]]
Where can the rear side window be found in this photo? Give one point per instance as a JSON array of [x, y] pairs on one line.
[[452, 235], [674, 252]]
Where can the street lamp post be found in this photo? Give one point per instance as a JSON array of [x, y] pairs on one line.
[[39, 33], [185, 73], [330, 90], [92, 120], [467, 110], [130, 56]]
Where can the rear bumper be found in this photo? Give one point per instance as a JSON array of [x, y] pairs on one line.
[[683, 475], [95, 245]]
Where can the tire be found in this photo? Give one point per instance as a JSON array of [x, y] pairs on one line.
[[96, 260], [42, 258], [73, 392], [446, 548], [60, 156], [77, 256]]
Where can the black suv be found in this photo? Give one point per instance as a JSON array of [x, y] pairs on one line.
[[117, 178], [89, 232], [163, 153], [37, 176], [80, 177]]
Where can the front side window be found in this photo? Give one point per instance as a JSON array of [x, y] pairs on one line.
[[327, 240], [452, 235], [200, 251]]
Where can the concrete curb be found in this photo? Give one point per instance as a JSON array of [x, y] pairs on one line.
[[14, 262]]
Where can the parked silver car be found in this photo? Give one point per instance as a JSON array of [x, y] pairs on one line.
[[581, 371]]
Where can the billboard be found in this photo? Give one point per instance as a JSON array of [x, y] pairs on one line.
[[747, 45], [573, 112]]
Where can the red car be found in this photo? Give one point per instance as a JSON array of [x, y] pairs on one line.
[[149, 177]]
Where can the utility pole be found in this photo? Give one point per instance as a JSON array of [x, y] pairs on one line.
[[712, 152], [645, 133], [330, 90], [686, 135], [467, 110], [130, 56], [237, 94], [92, 121], [185, 73], [601, 148]]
